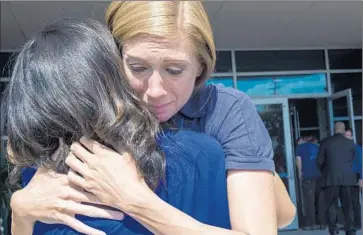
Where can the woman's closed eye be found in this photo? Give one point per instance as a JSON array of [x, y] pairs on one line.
[[138, 68], [174, 71]]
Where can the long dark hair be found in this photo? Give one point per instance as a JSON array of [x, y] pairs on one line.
[[67, 82]]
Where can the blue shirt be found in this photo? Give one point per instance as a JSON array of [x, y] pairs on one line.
[[231, 118], [308, 153], [195, 184], [357, 162]]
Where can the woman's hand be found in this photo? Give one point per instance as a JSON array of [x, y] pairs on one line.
[[110, 176], [49, 198]]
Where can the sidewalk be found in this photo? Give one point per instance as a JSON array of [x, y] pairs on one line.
[[317, 232]]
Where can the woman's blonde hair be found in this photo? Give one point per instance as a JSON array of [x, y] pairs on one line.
[[128, 19]]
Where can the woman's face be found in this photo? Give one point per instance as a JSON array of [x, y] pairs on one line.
[[162, 72]]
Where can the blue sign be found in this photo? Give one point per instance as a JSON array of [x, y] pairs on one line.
[[283, 85]]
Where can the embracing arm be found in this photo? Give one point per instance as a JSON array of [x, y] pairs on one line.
[[38, 201], [127, 191], [130, 194], [162, 219], [247, 212], [285, 209]]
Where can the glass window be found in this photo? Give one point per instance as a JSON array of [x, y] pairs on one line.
[[345, 59], [283, 85], [358, 130], [272, 117], [301, 84], [340, 108], [256, 86], [225, 81], [292, 60], [342, 81], [224, 62]]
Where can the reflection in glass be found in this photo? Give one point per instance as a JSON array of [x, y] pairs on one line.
[[225, 81], [283, 85], [260, 86], [272, 117], [342, 81], [340, 108], [301, 84]]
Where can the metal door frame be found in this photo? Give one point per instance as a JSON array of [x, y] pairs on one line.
[[290, 161], [339, 95]]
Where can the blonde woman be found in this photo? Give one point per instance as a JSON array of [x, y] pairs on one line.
[[168, 53]]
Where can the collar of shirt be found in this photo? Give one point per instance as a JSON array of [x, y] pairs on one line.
[[196, 105]]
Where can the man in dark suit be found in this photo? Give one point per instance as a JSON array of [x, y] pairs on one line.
[[335, 157]]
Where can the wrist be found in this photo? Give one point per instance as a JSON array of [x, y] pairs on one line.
[[21, 220], [19, 210], [141, 201], [21, 225]]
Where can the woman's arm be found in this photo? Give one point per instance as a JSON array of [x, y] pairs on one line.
[[285, 209], [252, 201], [21, 226], [163, 219], [125, 189], [38, 201], [246, 218]]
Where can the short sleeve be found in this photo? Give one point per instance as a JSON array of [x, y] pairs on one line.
[[299, 151], [244, 138]]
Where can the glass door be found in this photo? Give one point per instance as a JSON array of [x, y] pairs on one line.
[[341, 104], [274, 113]]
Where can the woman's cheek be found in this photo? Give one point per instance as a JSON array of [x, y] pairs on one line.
[[138, 86]]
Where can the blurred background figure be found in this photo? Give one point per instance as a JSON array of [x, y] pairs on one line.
[[335, 159], [357, 168], [311, 184]]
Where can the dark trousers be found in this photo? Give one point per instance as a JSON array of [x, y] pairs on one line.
[[332, 195], [313, 202], [356, 206]]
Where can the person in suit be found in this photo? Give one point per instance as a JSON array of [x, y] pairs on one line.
[[335, 157]]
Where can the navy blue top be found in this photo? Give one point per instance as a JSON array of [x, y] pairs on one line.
[[195, 184], [231, 118], [308, 153], [357, 162]]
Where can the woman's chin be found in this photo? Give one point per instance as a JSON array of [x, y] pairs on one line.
[[162, 117]]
